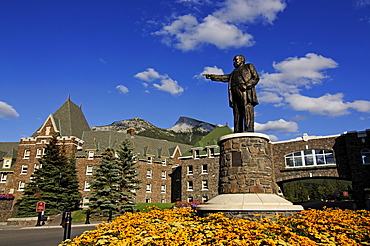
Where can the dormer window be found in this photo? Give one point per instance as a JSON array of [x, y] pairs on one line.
[[7, 163], [211, 151], [150, 159], [196, 153], [91, 155]]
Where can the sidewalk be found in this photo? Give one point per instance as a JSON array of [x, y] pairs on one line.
[[55, 223]]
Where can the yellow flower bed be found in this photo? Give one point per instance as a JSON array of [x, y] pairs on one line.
[[183, 227]]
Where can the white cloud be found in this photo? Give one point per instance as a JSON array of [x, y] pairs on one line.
[[166, 83], [149, 75], [277, 125], [169, 85], [250, 10], [220, 28], [328, 104], [297, 73], [209, 70], [122, 89], [7, 111]]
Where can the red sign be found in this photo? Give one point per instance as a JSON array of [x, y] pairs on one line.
[[345, 193], [40, 207]]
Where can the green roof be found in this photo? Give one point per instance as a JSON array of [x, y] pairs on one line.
[[8, 150], [69, 120], [100, 140], [210, 140]]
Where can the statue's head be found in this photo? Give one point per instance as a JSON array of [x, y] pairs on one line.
[[238, 60]]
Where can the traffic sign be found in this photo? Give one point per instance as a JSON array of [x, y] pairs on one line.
[[40, 207]]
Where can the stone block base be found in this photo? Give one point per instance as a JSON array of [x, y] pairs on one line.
[[249, 206]]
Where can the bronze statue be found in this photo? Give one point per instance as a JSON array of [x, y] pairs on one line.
[[242, 94]]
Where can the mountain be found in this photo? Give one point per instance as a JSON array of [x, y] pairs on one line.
[[186, 130]]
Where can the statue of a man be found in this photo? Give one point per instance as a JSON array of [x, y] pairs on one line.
[[242, 94]]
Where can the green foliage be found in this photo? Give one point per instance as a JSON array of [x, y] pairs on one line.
[[115, 182], [315, 190], [55, 183]]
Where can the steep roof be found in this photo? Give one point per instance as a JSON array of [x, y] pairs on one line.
[[70, 120], [210, 140], [8, 150], [100, 140]]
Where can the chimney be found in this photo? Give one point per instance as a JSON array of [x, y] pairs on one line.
[[131, 131]]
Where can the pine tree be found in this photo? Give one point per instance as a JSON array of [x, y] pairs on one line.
[[130, 183], [55, 183], [115, 182]]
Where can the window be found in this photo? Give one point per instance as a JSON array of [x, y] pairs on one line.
[[149, 173], [190, 170], [40, 152], [90, 155], [85, 202], [148, 188], [150, 159], [204, 198], [3, 178], [27, 153], [163, 188], [365, 155], [204, 184], [190, 185], [190, 199], [89, 170], [163, 200], [148, 200], [164, 162], [204, 169], [87, 186], [24, 169], [310, 157], [37, 166], [21, 185], [211, 152], [164, 175], [196, 153], [7, 163]]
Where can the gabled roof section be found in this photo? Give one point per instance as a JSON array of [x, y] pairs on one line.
[[48, 128], [143, 146], [69, 120], [8, 149], [210, 139]]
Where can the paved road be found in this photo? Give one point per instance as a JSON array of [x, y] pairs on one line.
[[38, 236]]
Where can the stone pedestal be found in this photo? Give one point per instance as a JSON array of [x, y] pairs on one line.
[[246, 181]]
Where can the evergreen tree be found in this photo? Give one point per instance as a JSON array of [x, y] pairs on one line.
[[115, 182], [130, 183], [329, 190], [55, 183]]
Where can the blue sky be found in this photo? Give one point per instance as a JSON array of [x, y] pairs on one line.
[[143, 58]]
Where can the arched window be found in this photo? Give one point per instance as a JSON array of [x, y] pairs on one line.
[[365, 155], [310, 157]]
